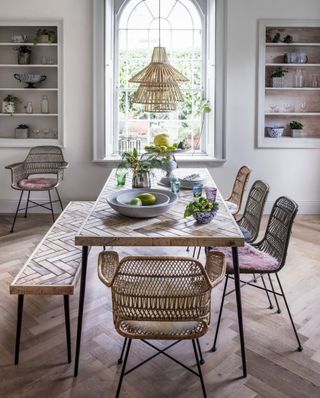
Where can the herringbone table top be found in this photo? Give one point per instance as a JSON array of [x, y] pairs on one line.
[[54, 265], [104, 226]]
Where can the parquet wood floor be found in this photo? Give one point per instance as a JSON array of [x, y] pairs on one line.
[[275, 369]]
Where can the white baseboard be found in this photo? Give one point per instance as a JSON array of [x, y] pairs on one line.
[[8, 206]]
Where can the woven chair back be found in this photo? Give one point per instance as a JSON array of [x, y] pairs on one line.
[[252, 215], [239, 186], [161, 289], [43, 160], [277, 236]]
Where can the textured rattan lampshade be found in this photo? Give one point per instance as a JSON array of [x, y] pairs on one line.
[[158, 90]]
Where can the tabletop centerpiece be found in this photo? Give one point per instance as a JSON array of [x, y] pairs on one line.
[[202, 210]]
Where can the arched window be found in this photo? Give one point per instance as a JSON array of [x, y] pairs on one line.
[[136, 33]]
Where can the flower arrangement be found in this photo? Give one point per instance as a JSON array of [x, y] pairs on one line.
[[202, 210]]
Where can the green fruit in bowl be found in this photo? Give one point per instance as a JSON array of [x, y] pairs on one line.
[[136, 202], [147, 199], [162, 140]]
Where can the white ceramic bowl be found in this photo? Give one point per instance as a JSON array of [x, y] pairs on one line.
[[125, 197], [142, 211]]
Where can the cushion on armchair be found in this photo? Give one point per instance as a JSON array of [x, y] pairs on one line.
[[251, 260], [37, 184]]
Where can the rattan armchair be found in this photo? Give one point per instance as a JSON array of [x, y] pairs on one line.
[[40, 161], [161, 298], [234, 201], [267, 256]]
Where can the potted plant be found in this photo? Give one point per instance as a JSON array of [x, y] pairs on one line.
[[44, 35], [277, 77], [22, 131], [296, 129], [202, 210], [141, 167], [24, 55], [9, 104]]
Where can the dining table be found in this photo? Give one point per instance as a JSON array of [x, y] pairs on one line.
[[105, 227]]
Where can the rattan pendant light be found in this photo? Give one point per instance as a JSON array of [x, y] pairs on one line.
[[158, 82]]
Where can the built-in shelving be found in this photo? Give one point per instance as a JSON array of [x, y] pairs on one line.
[[46, 59], [280, 104]]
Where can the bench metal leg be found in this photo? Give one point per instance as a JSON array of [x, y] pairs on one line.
[[17, 211], [26, 211], [19, 323], [67, 319], [84, 264], [51, 206]]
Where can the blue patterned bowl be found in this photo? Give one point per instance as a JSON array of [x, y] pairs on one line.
[[275, 132], [204, 217]]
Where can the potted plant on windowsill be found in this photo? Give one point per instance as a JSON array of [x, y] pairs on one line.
[[141, 167], [296, 129], [202, 210], [277, 77], [9, 104]]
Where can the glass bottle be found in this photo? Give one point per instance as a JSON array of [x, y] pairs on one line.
[[298, 78], [45, 104], [29, 107]]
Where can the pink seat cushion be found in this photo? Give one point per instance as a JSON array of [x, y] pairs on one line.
[[251, 260], [37, 184]]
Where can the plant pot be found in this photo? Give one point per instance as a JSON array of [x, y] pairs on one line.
[[142, 180], [204, 217], [22, 133], [24, 58], [297, 133], [9, 107], [275, 132], [277, 82], [44, 39]]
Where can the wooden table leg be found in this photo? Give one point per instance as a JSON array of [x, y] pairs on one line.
[[239, 307], [84, 264]]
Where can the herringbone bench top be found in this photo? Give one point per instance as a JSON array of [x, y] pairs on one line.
[[54, 265]]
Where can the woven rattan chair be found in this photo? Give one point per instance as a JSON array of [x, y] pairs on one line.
[[234, 201], [266, 257], [161, 298], [41, 160]]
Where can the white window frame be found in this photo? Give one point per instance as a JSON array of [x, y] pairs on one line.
[[103, 83]]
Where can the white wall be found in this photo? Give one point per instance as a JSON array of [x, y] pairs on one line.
[[292, 172]]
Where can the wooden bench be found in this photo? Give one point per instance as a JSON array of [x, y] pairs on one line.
[[53, 267]]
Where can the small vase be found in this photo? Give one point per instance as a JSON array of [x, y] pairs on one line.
[[170, 166], [24, 58], [204, 217], [141, 180]]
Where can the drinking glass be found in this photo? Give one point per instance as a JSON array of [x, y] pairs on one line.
[[211, 193], [274, 107], [121, 177], [175, 185], [303, 106], [197, 190]]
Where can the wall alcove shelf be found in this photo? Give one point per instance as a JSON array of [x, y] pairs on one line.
[[46, 59], [287, 101]]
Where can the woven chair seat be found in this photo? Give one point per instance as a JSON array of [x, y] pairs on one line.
[[37, 184], [251, 260], [233, 208], [162, 330]]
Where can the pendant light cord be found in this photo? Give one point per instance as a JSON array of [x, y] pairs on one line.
[[159, 26]]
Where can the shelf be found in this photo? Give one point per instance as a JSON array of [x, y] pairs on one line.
[[27, 142], [292, 44], [29, 44], [29, 114], [290, 142], [28, 66], [292, 113], [28, 89], [293, 65], [293, 88]]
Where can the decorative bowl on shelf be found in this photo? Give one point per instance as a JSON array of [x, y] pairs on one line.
[[29, 78], [127, 196], [141, 211], [275, 132]]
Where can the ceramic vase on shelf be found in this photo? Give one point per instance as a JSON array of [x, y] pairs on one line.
[[29, 107], [298, 78]]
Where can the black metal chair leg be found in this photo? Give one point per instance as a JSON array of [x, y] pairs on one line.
[[267, 293], [213, 349], [199, 251], [194, 252], [59, 198], [199, 369], [19, 323], [274, 294], [67, 320], [17, 211], [300, 348], [254, 278], [123, 368], [188, 249], [53, 218], [26, 211], [200, 353], [122, 351]]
